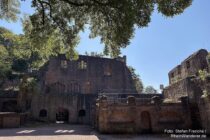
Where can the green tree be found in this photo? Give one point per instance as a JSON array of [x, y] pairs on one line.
[[95, 54], [202, 80], [137, 80], [114, 21], [9, 9], [150, 90], [7, 41], [5, 64]]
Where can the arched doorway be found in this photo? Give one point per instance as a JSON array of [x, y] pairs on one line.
[[146, 122], [81, 115], [62, 115]]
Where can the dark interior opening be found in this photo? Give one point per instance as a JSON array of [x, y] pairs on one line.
[[9, 106], [146, 122], [82, 113], [62, 115], [43, 113]]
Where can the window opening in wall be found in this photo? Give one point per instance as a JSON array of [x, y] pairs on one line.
[[62, 115], [179, 70], [107, 70], [172, 75], [64, 64], [82, 113], [82, 65], [188, 64]]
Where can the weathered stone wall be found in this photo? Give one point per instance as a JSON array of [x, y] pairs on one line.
[[9, 120], [140, 116], [72, 103], [73, 85], [185, 81], [183, 78], [189, 67], [51, 103], [185, 87], [8, 102], [87, 75], [204, 108]]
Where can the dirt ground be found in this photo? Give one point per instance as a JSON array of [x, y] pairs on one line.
[[66, 132]]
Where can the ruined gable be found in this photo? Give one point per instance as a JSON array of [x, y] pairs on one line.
[[189, 67], [87, 75], [181, 81]]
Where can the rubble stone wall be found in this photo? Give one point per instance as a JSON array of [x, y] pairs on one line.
[[133, 117], [189, 67], [204, 108]]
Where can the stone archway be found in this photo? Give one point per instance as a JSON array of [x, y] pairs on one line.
[[81, 115], [146, 122], [62, 115]]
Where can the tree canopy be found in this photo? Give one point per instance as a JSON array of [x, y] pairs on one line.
[[114, 21], [137, 80], [150, 90]]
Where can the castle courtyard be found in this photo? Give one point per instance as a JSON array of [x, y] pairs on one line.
[[66, 131]]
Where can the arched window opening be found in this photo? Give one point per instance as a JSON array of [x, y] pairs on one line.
[[64, 64], [82, 65], [82, 113]]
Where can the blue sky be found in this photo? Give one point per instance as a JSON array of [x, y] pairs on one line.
[[158, 48]]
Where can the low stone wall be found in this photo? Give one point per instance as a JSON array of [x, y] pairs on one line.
[[9, 120], [204, 108], [12, 119], [184, 87], [133, 117]]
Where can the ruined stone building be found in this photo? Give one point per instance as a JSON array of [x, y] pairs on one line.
[[100, 92], [180, 78], [185, 81], [69, 88]]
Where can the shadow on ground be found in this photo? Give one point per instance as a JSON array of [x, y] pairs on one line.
[[63, 131], [48, 130]]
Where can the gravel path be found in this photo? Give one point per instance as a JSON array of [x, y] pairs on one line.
[[66, 132]]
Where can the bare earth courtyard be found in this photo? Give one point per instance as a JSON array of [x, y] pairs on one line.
[[66, 132]]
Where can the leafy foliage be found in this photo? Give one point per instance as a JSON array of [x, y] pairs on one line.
[[113, 21], [39, 53], [95, 54], [20, 65], [150, 90], [9, 9], [204, 77], [5, 65], [203, 74], [137, 80]]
